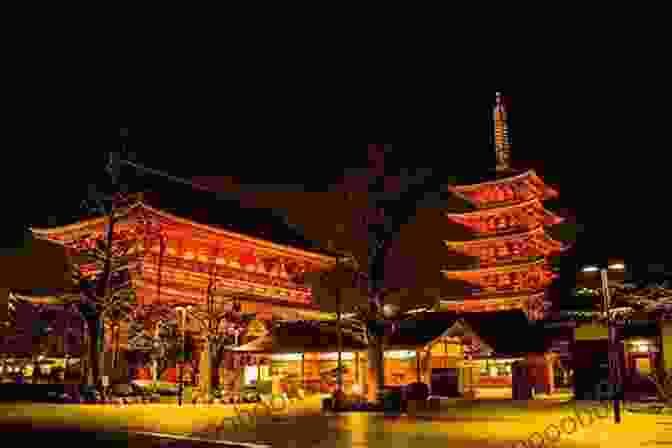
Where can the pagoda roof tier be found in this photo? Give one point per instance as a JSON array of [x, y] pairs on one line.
[[534, 305], [182, 228], [495, 269], [503, 208], [509, 249], [516, 278], [507, 220], [509, 190], [495, 296], [538, 232]]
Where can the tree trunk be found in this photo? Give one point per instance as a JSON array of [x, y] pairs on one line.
[[35, 371], [339, 335], [376, 369], [205, 377], [380, 350], [217, 359], [115, 360], [155, 370], [155, 362], [94, 354]]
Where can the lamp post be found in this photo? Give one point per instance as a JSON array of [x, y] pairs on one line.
[[614, 363]]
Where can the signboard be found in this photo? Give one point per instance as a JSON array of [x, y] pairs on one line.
[[468, 364], [590, 332], [333, 356], [287, 357], [256, 328], [399, 354]]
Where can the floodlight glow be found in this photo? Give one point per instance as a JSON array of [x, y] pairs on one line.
[[617, 266], [590, 269]]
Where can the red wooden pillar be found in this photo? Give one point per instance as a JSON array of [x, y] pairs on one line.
[[540, 371], [549, 380], [372, 385]]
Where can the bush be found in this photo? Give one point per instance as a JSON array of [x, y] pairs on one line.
[[88, 392], [392, 400], [663, 382], [265, 387], [417, 391]]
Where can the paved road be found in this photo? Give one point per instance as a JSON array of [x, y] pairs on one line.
[[475, 431], [478, 428], [29, 435]]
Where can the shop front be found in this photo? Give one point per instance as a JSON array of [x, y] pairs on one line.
[[496, 372], [642, 356]]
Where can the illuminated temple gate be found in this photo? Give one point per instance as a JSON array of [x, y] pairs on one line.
[[181, 256]]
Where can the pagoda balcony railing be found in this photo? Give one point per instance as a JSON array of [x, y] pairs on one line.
[[501, 262], [483, 230], [496, 291], [507, 261]]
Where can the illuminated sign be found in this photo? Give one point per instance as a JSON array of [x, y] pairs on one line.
[[287, 357], [256, 328], [399, 354], [590, 332], [334, 356]]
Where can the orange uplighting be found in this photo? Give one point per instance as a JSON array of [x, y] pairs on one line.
[[191, 252], [509, 237]]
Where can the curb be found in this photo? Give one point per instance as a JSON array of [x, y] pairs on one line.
[[200, 439]]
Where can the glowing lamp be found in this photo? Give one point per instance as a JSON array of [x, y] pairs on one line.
[[617, 266], [590, 269]]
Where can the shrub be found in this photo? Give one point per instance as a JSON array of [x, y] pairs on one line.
[[663, 381], [265, 387], [417, 391]]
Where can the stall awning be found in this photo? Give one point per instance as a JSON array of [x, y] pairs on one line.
[[311, 337]]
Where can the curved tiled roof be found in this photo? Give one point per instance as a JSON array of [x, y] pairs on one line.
[[492, 269], [217, 214]]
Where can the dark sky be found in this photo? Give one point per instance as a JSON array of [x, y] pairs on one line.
[[605, 153]]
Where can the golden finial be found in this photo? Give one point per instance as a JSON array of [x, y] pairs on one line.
[[502, 146]]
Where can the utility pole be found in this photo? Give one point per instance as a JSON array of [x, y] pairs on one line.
[[339, 335], [614, 359]]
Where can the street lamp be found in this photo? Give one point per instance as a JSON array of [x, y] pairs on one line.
[[614, 364]]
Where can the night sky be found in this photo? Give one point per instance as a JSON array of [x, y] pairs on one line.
[[605, 155]]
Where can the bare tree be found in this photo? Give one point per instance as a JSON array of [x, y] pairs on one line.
[[219, 320], [154, 331], [103, 266]]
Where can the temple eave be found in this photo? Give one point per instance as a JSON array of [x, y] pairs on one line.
[[494, 269], [496, 296], [481, 241], [466, 192], [474, 187], [479, 302], [499, 208], [57, 233]]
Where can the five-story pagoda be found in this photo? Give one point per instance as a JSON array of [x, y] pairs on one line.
[[510, 241]]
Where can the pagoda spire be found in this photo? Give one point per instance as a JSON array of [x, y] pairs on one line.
[[502, 146]]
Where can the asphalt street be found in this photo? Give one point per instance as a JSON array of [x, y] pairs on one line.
[[30, 435]]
